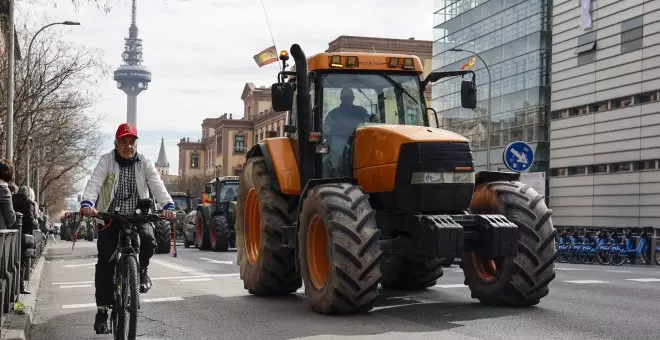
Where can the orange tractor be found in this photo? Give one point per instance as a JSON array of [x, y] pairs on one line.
[[361, 195]]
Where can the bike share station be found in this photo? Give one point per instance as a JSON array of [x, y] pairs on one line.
[[628, 244]]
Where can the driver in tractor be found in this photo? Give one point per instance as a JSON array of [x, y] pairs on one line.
[[120, 179]]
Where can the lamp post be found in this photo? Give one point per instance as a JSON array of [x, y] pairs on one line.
[[27, 56], [455, 49], [30, 143]]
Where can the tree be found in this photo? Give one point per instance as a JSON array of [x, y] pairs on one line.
[[51, 106]]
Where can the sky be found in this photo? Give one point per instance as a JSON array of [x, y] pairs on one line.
[[200, 52]]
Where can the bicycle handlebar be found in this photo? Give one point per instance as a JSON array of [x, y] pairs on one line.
[[133, 219]]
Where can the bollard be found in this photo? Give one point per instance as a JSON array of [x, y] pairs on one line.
[[15, 259]]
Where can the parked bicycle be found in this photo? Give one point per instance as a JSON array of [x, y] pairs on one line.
[[126, 281]]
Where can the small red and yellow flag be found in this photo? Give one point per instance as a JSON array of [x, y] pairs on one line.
[[470, 64], [267, 56]]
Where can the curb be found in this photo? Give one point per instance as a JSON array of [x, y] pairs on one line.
[[16, 326]]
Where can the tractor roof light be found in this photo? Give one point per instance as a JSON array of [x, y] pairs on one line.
[[394, 62], [352, 61], [408, 64], [335, 61]]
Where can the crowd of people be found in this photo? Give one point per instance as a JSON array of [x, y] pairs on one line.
[[14, 199]]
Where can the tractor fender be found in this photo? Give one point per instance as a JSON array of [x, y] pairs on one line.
[[281, 164], [482, 177]]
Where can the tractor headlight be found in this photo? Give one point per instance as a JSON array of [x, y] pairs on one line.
[[442, 177]]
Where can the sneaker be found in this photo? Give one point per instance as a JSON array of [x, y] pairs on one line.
[[101, 323], [145, 281]]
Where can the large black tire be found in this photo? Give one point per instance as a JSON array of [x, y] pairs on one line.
[[271, 268], [219, 233], [521, 280], [405, 274], [163, 234], [339, 251], [202, 240], [657, 257]]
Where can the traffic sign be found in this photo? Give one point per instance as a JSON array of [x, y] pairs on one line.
[[518, 156]]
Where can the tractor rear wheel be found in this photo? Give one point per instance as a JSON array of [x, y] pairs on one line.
[[219, 233], [339, 251], [163, 234], [267, 268], [521, 280], [405, 274]]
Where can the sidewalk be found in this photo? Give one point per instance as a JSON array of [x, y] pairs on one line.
[[15, 325]]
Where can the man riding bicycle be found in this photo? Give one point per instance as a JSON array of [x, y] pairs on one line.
[[120, 179]]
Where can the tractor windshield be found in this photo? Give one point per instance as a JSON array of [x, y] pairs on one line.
[[180, 203], [350, 100], [228, 191]]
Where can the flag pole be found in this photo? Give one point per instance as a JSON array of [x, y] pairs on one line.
[[268, 22]]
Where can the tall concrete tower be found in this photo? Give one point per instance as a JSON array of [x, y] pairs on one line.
[[132, 77]]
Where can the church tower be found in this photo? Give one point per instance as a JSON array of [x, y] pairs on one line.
[[162, 165]]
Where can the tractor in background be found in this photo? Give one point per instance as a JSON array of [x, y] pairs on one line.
[[214, 227], [184, 204]]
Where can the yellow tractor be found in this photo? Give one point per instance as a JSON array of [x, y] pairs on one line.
[[357, 196]]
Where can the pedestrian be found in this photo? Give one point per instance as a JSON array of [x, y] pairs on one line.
[[23, 204], [8, 216]]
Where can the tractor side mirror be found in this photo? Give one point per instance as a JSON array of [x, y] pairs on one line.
[[468, 94], [282, 97]]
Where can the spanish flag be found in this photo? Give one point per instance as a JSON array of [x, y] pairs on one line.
[[469, 64], [267, 56]]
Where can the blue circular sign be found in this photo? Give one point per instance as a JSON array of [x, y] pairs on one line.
[[518, 156]]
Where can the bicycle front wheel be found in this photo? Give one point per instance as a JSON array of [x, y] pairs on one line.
[[130, 293]]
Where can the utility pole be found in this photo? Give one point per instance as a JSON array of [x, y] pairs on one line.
[[10, 85]]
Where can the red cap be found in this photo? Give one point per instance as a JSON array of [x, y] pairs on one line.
[[126, 129]]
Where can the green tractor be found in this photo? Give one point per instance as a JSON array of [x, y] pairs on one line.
[[184, 203], [214, 227]]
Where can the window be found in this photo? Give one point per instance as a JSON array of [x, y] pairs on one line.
[[644, 165], [194, 161], [598, 169], [620, 167], [632, 31], [239, 143], [586, 48], [577, 170], [648, 97], [219, 142]]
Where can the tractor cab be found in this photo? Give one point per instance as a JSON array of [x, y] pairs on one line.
[[220, 191], [183, 201]]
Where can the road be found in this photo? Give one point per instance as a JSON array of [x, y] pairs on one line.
[[198, 295]]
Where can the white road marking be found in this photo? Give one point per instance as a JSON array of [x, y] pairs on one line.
[[586, 281], [617, 271], [187, 270], [165, 299], [72, 283], [79, 305], [197, 280], [76, 286], [454, 285], [568, 269], [216, 261], [644, 280], [78, 265], [93, 305]]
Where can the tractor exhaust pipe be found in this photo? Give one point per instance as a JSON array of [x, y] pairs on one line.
[[305, 148]]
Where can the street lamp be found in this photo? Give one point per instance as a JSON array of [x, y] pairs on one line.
[[29, 144], [27, 56], [455, 49]]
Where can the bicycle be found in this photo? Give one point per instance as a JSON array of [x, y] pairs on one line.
[[126, 280]]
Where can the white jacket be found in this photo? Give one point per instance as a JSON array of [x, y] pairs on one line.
[[100, 189]]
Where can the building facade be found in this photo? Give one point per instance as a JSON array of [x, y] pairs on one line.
[[605, 127], [514, 39]]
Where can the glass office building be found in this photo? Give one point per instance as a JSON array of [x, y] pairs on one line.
[[514, 39]]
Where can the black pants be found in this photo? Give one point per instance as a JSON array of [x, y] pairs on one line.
[[106, 245]]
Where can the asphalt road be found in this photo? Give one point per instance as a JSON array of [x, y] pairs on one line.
[[198, 295]]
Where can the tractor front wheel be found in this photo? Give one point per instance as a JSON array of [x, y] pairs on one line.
[[521, 280], [219, 233], [266, 266], [339, 251]]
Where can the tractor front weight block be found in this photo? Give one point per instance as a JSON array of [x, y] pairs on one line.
[[449, 236]]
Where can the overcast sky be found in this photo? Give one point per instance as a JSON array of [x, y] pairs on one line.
[[200, 51]]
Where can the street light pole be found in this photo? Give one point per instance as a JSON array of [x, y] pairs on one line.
[[489, 106], [10, 85], [27, 56], [29, 151]]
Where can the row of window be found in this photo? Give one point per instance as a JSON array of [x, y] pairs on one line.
[[632, 32], [491, 40], [610, 168], [455, 33], [480, 9], [239, 147], [612, 104]]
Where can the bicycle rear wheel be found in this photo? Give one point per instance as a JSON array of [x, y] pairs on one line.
[[130, 297]]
